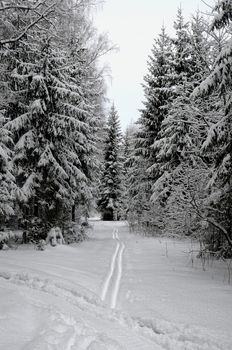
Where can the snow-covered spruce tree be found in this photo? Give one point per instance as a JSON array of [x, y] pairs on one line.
[[127, 154], [6, 172], [139, 215], [182, 60], [6, 145], [218, 144], [158, 93], [84, 53], [170, 140], [182, 130], [110, 200], [53, 112]]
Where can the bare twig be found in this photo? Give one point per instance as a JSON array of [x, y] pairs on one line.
[[16, 7], [204, 2], [22, 7], [211, 221], [43, 15]]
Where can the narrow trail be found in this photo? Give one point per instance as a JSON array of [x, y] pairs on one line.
[[119, 274], [111, 270], [113, 278], [56, 309], [71, 332]]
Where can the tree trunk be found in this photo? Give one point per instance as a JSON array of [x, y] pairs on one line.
[[74, 212]]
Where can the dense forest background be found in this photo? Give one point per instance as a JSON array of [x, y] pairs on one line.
[[60, 157]]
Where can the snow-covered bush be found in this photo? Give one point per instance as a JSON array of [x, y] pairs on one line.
[[4, 237], [9, 238], [41, 245], [74, 233], [35, 229], [55, 237]]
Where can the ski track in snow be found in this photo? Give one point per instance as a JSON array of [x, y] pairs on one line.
[[111, 271], [118, 279], [66, 331], [115, 270]]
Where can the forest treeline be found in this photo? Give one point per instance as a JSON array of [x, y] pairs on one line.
[[51, 108], [176, 160], [170, 173]]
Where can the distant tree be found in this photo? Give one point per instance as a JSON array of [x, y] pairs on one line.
[[110, 200], [127, 155]]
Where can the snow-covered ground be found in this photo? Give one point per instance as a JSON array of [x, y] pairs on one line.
[[115, 291]]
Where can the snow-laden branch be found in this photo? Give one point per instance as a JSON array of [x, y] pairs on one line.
[[21, 7], [15, 7], [40, 17], [211, 221]]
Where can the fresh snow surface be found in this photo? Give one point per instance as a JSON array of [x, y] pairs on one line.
[[116, 291]]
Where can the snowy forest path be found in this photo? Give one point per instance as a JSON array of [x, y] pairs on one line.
[[113, 278], [115, 291]]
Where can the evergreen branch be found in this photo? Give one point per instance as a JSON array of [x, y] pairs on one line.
[[215, 210], [190, 122]]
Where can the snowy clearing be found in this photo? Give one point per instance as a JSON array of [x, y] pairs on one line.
[[115, 291]]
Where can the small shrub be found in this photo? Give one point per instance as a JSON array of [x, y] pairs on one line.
[[74, 233]]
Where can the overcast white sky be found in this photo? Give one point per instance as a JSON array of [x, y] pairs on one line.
[[132, 25]]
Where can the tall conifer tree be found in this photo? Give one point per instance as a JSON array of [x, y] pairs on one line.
[[7, 180], [219, 140], [158, 93], [55, 110], [110, 201], [179, 134]]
